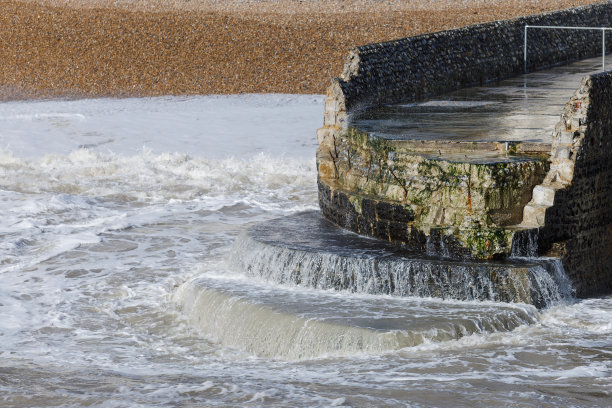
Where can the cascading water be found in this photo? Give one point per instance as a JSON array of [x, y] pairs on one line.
[[307, 251], [257, 328], [525, 243]]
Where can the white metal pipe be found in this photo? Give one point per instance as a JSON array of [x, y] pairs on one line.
[[603, 40], [573, 28], [525, 52]]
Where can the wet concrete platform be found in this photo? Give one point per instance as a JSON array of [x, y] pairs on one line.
[[525, 108]]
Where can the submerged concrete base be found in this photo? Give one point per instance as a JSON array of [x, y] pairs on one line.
[[307, 250]]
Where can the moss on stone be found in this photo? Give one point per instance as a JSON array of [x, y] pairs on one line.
[[486, 242], [468, 198]]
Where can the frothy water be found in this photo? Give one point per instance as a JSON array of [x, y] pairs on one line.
[[308, 251], [288, 323], [115, 290]]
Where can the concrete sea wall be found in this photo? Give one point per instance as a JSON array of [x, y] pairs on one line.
[[554, 203], [417, 67], [391, 190]]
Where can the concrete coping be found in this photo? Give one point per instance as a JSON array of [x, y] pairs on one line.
[[467, 151], [450, 146]]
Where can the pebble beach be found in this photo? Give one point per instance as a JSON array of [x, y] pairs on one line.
[[87, 48]]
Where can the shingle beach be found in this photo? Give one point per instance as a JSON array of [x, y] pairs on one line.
[[86, 48]]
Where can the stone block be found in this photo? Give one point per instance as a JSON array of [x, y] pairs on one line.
[[381, 229], [562, 152], [324, 135], [565, 137], [326, 170], [368, 209], [329, 118], [365, 226], [534, 215], [543, 195], [399, 231], [565, 171], [332, 105]]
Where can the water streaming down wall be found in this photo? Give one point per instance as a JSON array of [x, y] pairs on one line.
[[553, 283], [525, 243], [355, 264]]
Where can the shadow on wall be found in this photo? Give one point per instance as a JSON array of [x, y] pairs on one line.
[[578, 226]]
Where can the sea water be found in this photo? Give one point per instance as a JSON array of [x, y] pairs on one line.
[[119, 218]]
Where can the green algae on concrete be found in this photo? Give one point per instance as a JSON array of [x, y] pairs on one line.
[[472, 195]]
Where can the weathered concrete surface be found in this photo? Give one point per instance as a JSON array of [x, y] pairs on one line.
[[520, 109], [383, 190], [467, 190]]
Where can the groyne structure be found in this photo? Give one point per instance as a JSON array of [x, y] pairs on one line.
[[475, 199]]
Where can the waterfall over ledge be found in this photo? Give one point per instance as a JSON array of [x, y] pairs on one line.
[[306, 250]]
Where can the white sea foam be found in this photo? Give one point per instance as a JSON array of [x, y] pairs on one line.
[[42, 116], [150, 177]]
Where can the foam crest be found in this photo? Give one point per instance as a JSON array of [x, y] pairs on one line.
[[149, 177], [42, 116], [591, 315], [282, 323]]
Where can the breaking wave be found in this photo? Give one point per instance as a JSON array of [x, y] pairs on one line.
[[260, 179]]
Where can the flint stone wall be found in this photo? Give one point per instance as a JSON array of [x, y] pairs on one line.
[[417, 67], [577, 227]]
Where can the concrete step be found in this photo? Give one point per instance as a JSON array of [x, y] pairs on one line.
[[543, 195], [533, 215]]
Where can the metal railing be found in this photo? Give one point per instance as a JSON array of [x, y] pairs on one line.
[[603, 41]]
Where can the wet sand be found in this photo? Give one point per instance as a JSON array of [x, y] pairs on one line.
[[85, 48]]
